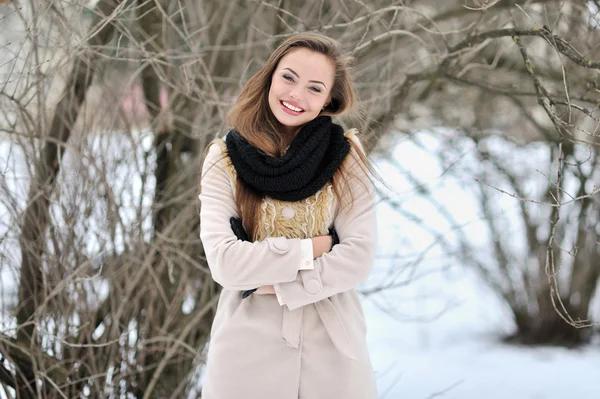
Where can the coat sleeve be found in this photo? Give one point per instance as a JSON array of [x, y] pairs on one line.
[[349, 262], [237, 264]]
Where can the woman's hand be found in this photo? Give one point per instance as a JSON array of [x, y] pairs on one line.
[[321, 245], [265, 290]]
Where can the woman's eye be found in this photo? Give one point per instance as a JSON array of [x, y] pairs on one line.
[[315, 89], [288, 77]]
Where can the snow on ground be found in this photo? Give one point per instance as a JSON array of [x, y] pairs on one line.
[[459, 351]]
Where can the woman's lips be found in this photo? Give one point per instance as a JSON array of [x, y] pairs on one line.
[[289, 111]]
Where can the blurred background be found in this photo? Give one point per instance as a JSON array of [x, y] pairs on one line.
[[482, 116]]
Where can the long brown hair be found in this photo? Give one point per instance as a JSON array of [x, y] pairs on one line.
[[251, 116]]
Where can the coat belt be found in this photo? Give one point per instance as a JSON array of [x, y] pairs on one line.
[[292, 326]]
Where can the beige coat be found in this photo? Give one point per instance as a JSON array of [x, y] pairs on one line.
[[314, 346]]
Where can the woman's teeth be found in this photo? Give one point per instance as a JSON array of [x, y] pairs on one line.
[[290, 106]]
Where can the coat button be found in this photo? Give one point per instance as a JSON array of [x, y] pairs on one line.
[[278, 245], [313, 286], [288, 212]]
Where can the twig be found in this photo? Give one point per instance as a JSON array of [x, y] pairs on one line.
[[446, 390]]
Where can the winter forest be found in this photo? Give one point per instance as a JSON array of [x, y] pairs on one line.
[[482, 116]]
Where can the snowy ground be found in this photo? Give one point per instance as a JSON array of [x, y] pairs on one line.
[[456, 355]]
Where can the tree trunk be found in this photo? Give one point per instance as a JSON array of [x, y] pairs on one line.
[[36, 217], [547, 327]]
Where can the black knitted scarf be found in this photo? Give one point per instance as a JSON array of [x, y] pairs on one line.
[[314, 155]]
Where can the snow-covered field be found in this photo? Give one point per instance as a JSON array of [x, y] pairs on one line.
[[419, 353]]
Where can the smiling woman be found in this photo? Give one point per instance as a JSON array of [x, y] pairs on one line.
[[299, 88], [288, 227]]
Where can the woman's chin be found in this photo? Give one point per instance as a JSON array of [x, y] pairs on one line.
[[293, 121], [290, 122]]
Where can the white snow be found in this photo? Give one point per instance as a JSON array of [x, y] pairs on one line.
[[445, 338]]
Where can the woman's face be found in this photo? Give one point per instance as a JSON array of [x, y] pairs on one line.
[[300, 87]]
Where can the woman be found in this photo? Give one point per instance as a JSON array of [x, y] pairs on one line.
[[289, 323]]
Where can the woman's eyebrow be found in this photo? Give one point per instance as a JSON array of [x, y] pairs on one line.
[[298, 76]]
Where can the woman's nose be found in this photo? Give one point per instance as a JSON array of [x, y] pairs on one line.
[[294, 95]]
